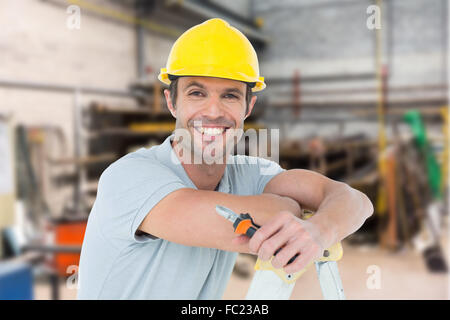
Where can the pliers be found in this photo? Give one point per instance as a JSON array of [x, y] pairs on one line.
[[244, 224]]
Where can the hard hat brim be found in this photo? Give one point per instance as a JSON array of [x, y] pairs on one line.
[[211, 71]]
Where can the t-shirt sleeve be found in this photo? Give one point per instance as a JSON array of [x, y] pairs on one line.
[[127, 191], [267, 169], [253, 173]]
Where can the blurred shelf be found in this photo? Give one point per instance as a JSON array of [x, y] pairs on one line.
[[52, 248], [363, 103], [103, 109], [84, 161], [323, 78], [300, 148], [118, 109], [152, 127], [125, 132], [367, 179], [365, 89], [91, 186], [148, 129]]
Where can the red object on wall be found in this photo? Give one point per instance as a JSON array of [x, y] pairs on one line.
[[68, 233]]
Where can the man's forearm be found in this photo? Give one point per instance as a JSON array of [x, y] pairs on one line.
[[339, 211], [188, 216], [342, 212]]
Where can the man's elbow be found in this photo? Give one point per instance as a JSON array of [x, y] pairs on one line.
[[370, 209], [367, 206]]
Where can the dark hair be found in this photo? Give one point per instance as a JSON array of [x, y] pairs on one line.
[[173, 88]]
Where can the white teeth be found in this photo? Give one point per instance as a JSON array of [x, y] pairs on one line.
[[210, 131]]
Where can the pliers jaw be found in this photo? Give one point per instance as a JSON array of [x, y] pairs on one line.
[[242, 223]]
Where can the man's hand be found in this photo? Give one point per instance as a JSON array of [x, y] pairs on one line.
[[339, 209], [293, 236]]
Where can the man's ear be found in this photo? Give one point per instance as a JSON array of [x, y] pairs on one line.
[[169, 103], [250, 106]]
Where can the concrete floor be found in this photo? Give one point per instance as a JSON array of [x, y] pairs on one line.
[[403, 275]]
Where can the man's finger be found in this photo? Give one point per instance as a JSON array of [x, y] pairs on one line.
[[282, 257], [267, 230], [304, 259], [274, 243]]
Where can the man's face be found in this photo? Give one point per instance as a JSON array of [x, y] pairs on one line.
[[212, 110]]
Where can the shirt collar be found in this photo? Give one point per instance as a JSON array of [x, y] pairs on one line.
[[167, 156]]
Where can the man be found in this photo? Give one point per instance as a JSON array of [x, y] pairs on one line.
[[153, 232]]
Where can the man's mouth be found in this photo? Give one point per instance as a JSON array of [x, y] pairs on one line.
[[210, 133]]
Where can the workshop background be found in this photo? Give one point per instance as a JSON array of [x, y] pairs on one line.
[[357, 88]]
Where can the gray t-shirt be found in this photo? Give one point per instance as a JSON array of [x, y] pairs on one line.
[[116, 263]]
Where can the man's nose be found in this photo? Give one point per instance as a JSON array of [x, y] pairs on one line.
[[213, 108]]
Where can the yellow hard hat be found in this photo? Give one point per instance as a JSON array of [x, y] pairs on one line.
[[214, 49]]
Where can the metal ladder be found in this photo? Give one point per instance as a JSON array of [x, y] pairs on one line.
[[269, 283]]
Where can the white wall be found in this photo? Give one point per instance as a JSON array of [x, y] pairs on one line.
[[36, 45]]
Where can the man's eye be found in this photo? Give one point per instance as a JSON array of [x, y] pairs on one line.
[[196, 94], [230, 96]]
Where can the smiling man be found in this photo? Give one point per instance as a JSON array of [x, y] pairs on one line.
[[153, 232]]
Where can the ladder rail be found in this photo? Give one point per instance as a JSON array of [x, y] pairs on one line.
[[267, 285], [330, 280]]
